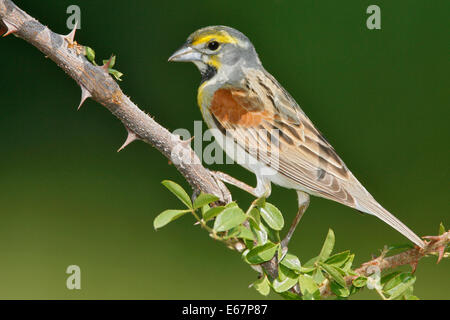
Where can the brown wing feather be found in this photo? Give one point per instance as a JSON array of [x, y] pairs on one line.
[[264, 119]]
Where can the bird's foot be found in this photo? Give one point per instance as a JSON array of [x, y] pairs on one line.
[[235, 182]]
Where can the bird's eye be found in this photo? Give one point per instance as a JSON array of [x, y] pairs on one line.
[[213, 45]]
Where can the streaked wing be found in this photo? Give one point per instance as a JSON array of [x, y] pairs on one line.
[[266, 121]]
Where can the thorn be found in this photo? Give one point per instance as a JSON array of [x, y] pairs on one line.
[[441, 253], [11, 28], [71, 43], [414, 266], [188, 141], [433, 238], [84, 95], [69, 37], [197, 223], [420, 249], [106, 65], [130, 138], [3, 28], [383, 252]]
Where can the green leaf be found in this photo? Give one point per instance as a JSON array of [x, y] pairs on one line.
[[284, 285], [264, 233], [287, 295], [262, 285], [328, 246], [113, 61], [279, 253], [408, 292], [245, 233], [90, 54], [231, 205], [260, 254], [285, 272], [359, 282], [388, 277], [412, 297], [354, 290], [259, 202], [307, 269], [259, 232], [229, 218], [255, 216], [339, 290], [286, 279], [398, 285], [339, 259], [244, 255], [272, 234], [179, 192], [401, 289], [240, 232], [308, 287], [204, 199], [167, 216], [249, 243], [318, 276], [347, 267], [205, 208], [334, 273], [272, 216], [311, 262], [211, 213], [116, 74], [292, 262], [441, 229]]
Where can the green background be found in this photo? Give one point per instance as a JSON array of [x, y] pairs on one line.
[[66, 197]]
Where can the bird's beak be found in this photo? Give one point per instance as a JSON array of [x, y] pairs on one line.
[[186, 54]]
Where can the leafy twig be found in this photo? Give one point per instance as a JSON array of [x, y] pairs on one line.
[[255, 234]]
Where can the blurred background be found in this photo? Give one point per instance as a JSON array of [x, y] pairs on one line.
[[67, 197]]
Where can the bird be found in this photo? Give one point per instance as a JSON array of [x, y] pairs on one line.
[[260, 126]]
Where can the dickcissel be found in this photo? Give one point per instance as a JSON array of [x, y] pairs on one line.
[[260, 126]]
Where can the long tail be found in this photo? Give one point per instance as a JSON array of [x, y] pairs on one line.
[[372, 207]]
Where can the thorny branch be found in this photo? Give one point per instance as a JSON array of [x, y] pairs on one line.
[[436, 245], [96, 83]]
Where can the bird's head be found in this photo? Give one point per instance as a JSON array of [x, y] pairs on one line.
[[217, 49]]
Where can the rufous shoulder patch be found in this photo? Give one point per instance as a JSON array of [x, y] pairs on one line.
[[227, 109]]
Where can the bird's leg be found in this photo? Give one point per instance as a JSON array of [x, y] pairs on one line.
[[303, 202], [235, 182], [262, 189]]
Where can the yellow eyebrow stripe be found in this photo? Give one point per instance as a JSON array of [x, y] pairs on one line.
[[222, 37]]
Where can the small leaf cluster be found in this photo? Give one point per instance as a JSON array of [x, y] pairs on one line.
[[90, 55], [312, 275], [258, 229]]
